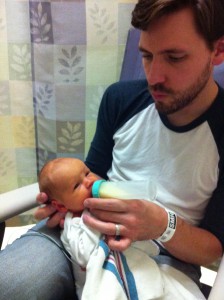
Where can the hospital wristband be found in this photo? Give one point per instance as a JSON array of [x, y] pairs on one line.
[[171, 227]]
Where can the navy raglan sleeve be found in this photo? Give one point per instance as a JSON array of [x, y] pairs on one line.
[[213, 220], [99, 158]]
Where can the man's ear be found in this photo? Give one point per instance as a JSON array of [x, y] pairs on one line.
[[219, 52], [60, 207]]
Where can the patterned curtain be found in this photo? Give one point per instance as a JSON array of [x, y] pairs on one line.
[[56, 59]]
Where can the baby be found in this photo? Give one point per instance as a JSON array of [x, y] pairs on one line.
[[128, 275], [67, 182]]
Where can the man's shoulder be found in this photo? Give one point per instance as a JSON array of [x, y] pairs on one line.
[[123, 100], [221, 94], [216, 111], [126, 93]]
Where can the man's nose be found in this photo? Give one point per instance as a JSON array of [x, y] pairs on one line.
[[155, 72]]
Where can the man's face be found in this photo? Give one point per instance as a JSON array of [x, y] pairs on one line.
[[177, 62]]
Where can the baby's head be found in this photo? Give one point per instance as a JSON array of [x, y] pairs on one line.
[[67, 182]]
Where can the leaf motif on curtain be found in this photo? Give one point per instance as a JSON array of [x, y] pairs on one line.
[[40, 26], [2, 24], [24, 129], [44, 156], [70, 65], [4, 100], [71, 137], [42, 99], [6, 164], [102, 22], [20, 62]]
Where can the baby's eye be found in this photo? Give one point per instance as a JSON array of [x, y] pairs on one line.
[[76, 186]]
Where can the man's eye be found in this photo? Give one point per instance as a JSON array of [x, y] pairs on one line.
[[176, 58], [146, 56]]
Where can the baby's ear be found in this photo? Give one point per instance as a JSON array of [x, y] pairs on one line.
[[219, 52], [60, 207]]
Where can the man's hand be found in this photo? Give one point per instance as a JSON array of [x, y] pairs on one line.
[[143, 220], [46, 210], [138, 220]]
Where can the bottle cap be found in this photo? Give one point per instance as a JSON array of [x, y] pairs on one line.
[[96, 188]]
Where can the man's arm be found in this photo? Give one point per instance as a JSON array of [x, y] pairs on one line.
[[194, 245]]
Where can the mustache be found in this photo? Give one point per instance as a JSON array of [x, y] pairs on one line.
[[159, 88]]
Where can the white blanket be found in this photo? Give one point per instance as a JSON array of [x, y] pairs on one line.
[[132, 274]]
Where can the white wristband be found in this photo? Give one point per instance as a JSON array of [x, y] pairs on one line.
[[171, 227]]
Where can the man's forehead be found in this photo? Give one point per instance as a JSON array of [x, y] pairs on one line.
[[177, 25]]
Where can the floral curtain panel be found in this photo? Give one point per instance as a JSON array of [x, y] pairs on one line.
[[56, 59]]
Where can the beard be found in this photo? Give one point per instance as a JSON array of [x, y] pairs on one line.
[[182, 99]]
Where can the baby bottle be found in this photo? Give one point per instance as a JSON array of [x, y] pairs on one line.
[[140, 189]]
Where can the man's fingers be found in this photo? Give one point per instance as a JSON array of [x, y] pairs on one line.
[[42, 198], [110, 205], [44, 212], [56, 219], [101, 226], [118, 245]]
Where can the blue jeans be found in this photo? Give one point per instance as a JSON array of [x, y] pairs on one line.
[[35, 266]]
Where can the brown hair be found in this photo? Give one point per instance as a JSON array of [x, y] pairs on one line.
[[208, 15]]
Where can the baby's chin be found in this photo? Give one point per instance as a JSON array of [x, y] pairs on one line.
[[77, 214]]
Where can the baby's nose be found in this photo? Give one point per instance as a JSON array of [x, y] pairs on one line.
[[88, 182]]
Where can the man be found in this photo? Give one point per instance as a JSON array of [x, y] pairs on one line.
[[174, 134]]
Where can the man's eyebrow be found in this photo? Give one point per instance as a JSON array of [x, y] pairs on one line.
[[165, 51], [141, 49]]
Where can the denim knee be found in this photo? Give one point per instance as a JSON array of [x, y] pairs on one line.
[[35, 267]]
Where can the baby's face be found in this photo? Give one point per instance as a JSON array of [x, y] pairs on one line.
[[74, 184]]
